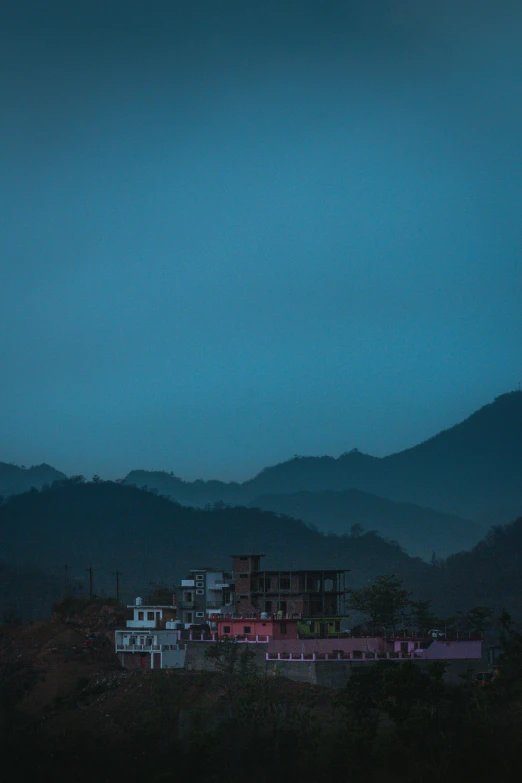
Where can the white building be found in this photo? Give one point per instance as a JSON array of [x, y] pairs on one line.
[[151, 639]]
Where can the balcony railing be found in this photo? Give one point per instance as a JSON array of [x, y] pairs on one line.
[[338, 655], [197, 636]]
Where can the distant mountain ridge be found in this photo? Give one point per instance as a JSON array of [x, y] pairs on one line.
[[469, 473], [15, 479], [471, 470], [148, 538], [422, 531], [112, 526]]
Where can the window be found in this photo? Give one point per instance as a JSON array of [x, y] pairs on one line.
[[150, 615], [200, 591], [337, 626], [283, 628], [268, 606], [141, 615], [284, 583], [200, 614], [188, 617], [226, 629], [247, 629], [243, 576]]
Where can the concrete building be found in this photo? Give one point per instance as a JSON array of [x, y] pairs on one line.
[[150, 616], [261, 628], [144, 649], [295, 593], [151, 639], [206, 591]]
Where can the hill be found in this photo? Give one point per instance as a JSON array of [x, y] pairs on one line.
[[15, 479], [112, 526], [470, 471], [421, 531], [488, 575], [26, 592]]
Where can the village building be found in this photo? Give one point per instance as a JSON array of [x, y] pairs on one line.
[[205, 592], [151, 639], [263, 628], [308, 593]]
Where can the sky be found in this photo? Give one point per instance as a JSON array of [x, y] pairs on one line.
[[235, 231]]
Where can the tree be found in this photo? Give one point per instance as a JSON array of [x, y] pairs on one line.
[[421, 615], [479, 618], [383, 601]]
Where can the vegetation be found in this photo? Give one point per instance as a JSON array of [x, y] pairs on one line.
[[401, 721], [383, 601]]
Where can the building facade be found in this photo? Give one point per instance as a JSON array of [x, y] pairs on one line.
[[295, 593], [205, 591]]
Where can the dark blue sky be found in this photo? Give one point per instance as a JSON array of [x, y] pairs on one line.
[[235, 231]]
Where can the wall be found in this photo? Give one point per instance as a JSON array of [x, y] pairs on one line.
[[450, 650], [326, 645], [173, 659]]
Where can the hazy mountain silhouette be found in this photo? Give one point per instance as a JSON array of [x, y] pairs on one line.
[[112, 526], [421, 531], [15, 479], [488, 575], [471, 470], [149, 538]]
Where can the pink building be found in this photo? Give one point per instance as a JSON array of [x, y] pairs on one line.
[[261, 629]]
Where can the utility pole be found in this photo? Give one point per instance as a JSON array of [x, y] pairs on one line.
[[117, 574], [90, 570]]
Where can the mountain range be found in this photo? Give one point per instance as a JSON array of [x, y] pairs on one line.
[[439, 496], [149, 539], [111, 527], [450, 488]]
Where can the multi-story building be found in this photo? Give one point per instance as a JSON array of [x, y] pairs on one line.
[[295, 593], [206, 591], [151, 639]]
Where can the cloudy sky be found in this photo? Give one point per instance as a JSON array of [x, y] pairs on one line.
[[236, 230]]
